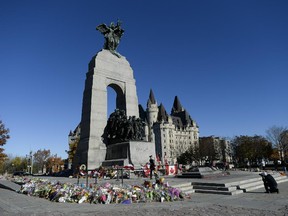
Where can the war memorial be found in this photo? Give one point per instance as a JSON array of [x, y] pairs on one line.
[[131, 129], [119, 140]]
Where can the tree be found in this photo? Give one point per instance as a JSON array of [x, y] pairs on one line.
[[54, 164], [278, 136], [284, 144], [275, 155], [72, 149], [190, 156], [12, 164], [40, 159], [251, 148], [207, 149], [187, 157], [4, 136], [19, 163]]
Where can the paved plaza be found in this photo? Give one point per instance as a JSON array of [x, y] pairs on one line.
[[251, 203]]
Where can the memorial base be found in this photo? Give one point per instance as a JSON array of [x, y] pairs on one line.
[[135, 153]]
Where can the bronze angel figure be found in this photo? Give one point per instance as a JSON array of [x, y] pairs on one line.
[[112, 35]]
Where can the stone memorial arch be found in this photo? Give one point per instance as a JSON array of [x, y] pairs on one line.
[[105, 70], [109, 69]]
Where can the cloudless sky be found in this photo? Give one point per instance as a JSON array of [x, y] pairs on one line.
[[227, 61]]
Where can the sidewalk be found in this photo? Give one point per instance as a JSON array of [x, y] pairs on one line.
[[250, 203]]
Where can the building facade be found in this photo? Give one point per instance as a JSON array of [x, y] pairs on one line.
[[218, 149], [172, 134]]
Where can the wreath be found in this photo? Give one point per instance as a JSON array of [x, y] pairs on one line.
[[82, 169]]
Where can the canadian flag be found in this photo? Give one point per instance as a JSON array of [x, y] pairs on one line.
[[171, 170]]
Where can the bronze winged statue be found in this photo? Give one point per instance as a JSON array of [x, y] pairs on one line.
[[112, 35]]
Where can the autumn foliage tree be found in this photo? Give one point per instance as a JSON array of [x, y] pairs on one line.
[[54, 164], [44, 158], [4, 136]]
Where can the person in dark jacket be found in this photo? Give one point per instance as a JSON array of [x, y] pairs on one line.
[[270, 183], [152, 166]]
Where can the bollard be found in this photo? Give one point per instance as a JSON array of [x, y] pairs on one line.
[[122, 175], [86, 178], [117, 174]]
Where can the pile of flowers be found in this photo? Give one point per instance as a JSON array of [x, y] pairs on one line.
[[102, 194]]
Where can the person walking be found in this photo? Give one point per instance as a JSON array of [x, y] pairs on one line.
[[152, 166]]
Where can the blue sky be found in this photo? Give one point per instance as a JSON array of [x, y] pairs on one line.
[[227, 62]]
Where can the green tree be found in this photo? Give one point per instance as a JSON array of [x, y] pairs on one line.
[[72, 149], [252, 148], [19, 163], [12, 164], [4, 136], [186, 157], [207, 149], [190, 156]]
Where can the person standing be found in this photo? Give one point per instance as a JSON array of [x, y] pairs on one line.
[[248, 166], [152, 166], [263, 164]]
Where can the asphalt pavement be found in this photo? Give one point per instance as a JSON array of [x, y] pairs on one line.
[[251, 203]]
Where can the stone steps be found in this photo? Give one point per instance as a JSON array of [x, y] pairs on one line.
[[215, 188], [258, 183], [219, 192], [231, 188], [185, 187], [200, 187]]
